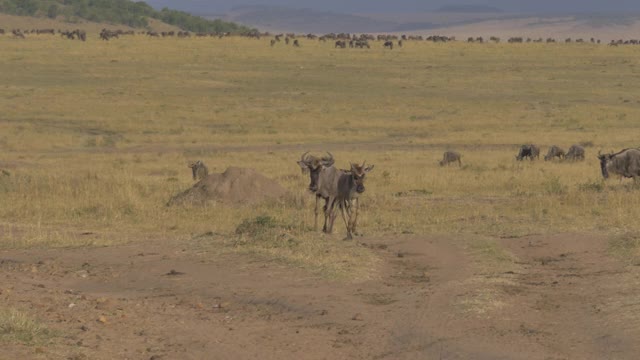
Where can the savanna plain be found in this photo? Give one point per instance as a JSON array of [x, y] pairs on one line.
[[493, 259]]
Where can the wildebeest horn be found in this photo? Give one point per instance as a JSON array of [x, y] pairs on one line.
[[303, 158], [328, 161]]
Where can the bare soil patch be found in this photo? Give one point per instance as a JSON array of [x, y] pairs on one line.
[[563, 297]]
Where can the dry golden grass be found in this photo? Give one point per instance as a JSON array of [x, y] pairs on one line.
[[97, 137]]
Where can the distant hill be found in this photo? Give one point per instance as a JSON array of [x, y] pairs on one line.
[[276, 18], [123, 12], [469, 9]]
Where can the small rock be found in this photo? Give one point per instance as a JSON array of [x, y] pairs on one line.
[[174, 273], [72, 305], [103, 319], [357, 317], [84, 328]]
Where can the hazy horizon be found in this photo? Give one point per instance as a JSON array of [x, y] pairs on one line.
[[399, 6]]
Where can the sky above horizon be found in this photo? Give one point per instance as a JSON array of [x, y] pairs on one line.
[[370, 6]]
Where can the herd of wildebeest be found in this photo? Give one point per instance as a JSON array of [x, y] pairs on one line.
[[340, 40], [341, 188]]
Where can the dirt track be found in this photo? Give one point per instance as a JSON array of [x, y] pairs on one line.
[[561, 297]]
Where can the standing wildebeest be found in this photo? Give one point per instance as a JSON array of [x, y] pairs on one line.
[[199, 170], [341, 44], [349, 187], [531, 151], [388, 44], [323, 180], [625, 163], [450, 157], [576, 152], [554, 151], [296, 43]]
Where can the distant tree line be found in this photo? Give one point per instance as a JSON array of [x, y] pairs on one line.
[[125, 12]]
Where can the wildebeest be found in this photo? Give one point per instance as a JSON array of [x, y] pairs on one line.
[[388, 44], [323, 181], [625, 163], [296, 43], [349, 188], [531, 151], [199, 170], [340, 44], [554, 152], [450, 157], [576, 152]]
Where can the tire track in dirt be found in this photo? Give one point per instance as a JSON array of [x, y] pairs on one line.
[[583, 302]]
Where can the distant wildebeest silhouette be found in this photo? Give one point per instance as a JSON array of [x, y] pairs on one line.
[[554, 152], [576, 152], [199, 170], [530, 151], [450, 157]]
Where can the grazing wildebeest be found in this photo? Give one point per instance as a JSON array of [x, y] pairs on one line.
[[576, 152], [531, 151], [554, 152], [199, 170], [323, 181], [273, 42], [349, 188], [450, 157], [296, 43], [388, 44], [341, 44], [625, 163]]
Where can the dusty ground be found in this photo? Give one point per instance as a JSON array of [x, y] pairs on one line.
[[553, 297]]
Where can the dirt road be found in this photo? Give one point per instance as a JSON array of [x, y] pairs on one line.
[[558, 297]]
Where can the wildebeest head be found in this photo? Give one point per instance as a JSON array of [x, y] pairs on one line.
[[358, 172], [604, 159], [314, 165]]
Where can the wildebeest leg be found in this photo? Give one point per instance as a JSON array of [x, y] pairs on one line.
[[343, 204], [329, 214], [315, 212], [353, 215]]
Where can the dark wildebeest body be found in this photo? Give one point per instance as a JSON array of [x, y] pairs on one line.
[[451, 157], [625, 163], [554, 152], [199, 170], [350, 186], [531, 151], [576, 152], [323, 178], [388, 44]]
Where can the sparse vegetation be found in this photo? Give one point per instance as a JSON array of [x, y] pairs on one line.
[[18, 326]]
